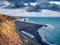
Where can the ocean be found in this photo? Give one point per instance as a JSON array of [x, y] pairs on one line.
[[51, 34]]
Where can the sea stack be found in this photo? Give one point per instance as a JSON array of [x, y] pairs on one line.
[[8, 35]]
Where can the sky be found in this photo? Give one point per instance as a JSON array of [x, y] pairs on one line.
[[18, 12], [44, 12]]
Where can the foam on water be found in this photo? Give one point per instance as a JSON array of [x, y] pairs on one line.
[[49, 34], [49, 26]]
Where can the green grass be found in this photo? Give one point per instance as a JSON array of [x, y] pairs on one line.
[[25, 42]]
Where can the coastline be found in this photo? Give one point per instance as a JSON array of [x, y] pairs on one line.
[[27, 20]]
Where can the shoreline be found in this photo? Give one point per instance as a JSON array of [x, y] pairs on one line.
[[38, 24]]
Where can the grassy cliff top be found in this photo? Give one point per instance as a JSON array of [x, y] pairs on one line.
[[8, 36]]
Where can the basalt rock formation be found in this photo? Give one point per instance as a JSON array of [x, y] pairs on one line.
[[8, 35]]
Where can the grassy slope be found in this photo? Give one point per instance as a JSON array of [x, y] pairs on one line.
[[7, 34]]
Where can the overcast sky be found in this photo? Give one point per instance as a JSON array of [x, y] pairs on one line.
[[18, 12]]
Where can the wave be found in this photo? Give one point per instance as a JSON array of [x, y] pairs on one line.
[[49, 26], [44, 32]]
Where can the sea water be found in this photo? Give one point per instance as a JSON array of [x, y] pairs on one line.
[[52, 33]]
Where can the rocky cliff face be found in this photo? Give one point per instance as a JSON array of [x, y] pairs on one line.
[[8, 36]]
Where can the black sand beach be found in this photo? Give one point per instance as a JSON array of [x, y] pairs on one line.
[[30, 28]]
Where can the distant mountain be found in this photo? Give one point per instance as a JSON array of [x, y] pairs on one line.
[[17, 3], [44, 5]]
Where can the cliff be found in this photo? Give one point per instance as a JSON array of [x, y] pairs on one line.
[[8, 36]]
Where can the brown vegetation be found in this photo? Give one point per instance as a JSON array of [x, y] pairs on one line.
[[8, 36]]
